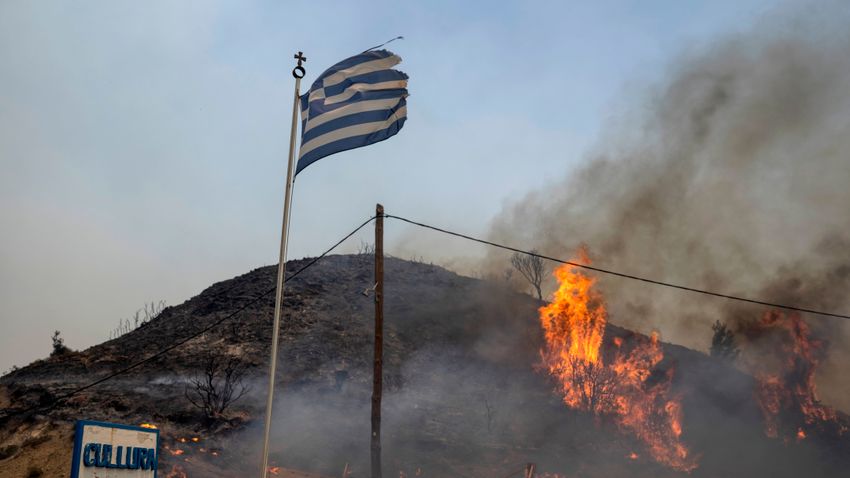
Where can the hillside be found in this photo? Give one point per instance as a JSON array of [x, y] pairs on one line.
[[464, 393]]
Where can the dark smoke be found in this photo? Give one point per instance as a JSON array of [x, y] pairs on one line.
[[733, 176]]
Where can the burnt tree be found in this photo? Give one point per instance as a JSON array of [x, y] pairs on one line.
[[218, 387], [531, 267]]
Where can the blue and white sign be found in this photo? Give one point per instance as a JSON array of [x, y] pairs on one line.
[[109, 450]]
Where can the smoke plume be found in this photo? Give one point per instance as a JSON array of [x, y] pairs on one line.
[[732, 175]]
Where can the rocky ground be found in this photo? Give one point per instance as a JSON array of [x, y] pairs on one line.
[[463, 397]]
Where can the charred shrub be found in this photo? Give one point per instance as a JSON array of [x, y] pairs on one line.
[[218, 387], [59, 347], [723, 345]]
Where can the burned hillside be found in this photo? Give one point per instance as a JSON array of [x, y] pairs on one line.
[[466, 389]]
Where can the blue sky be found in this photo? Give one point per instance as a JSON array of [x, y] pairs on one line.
[[143, 144]]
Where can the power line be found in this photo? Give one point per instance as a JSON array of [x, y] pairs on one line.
[[620, 274], [253, 301], [182, 341]]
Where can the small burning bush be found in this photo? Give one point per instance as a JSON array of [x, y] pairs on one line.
[[784, 357], [622, 383]]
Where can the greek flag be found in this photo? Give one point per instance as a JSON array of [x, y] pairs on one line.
[[357, 102]]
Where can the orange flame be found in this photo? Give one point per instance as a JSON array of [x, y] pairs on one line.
[[614, 384], [148, 425], [786, 389], [175, 452], [274, 470]]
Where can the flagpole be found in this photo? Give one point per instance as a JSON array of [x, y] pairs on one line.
[[298, 72]]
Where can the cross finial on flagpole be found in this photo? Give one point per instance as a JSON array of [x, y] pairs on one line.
[[299, 71]]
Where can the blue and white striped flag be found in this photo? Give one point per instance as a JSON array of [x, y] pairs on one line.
[[357, 102]]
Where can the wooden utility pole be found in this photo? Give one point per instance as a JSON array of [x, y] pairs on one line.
[[377, 378]]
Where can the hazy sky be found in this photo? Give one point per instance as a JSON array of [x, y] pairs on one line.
[[143, 144]]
